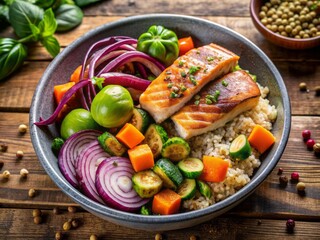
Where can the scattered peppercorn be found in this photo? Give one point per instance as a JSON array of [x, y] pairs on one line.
[[193, 237], [301, 186], [3, 147], [37, 219], [32, 192], [295, 176], [24, 173], [19, 154], [6, 174], [56, 210], [316, 149], [280, 171], [74, 223], [36, 213], [93, 237], [72, 209], [306, 134], [158, 237], [66, 226], [58, 236], [23, 128], [290, 225], [283, 180], [303, 87], [317, 90], [310, 144], [259, 222]]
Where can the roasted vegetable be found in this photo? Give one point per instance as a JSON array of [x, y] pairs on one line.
[[146, 183], [155, 137], [240, 148], [160, 43], [187, 189], [141, 119], [190, 167], [175, 149], [56, 145], [111, 145], [204, 189]]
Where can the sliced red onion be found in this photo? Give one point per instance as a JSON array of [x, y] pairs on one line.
[[86, 165], [125, 80], [114, 184], [70, 151]]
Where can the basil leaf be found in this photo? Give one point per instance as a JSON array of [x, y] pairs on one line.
[[35, 32], [45, 3], [82, 3], [68, 17], [48, 25], [21, 15], [12, 56], [51, 44]]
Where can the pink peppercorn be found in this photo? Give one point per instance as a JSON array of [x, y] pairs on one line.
[[290, 225], [295, 176], [310, 144], [306, 134]]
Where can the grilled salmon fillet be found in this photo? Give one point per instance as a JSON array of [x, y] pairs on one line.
[[177, 84], [216, 104]]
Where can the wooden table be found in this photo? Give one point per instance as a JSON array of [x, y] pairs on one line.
[[263, 215]]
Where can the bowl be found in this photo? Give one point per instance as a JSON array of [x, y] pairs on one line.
[[277, 39], [203, 32]]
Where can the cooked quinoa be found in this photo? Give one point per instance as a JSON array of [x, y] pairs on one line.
[[217, 142]]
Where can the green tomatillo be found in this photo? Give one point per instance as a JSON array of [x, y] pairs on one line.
[[112, 106], [160, 43]]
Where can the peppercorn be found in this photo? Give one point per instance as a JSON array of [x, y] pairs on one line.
[[303, 87], [58, 236], [24, 173], [23, 128], [301, 186], [19, 154], [280, 171], [32, 192], [56, 210], [66, 226], [295, 176], [93, 237], [290, 225], [316, 149], [193, 237], [74, 223], [36, 213], [6, 174], [283, 180], [310, 144], [72, 209], [317, 90], [37, 219], [306, 134], [3, 147], [158, 237], [259, 222]]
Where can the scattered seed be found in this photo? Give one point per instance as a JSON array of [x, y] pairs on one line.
[[290, 225], [259, 222], [58, 236], [158, 237], [37, 219], [72, 209], [310, 143], [24, 173], [32, 192], [66, 226], [19, 154], [75, 223], [303, 87], [316, 148], [295, 176], [23, 128], [36, 213], [317, 90], [301, 186], [283, 180], [6, 174], [93, 237], [3, 147], [193, 237], [280, 171], [306, 134], [56, 210]]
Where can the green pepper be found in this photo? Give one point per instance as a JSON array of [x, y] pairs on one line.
[[112, 106], [160, 43]]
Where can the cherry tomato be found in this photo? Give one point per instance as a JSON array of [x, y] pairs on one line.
[[185, 44]]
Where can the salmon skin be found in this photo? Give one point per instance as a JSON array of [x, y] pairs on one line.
[[177, 84], [216, 104]]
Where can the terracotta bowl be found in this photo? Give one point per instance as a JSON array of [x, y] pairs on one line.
[[203, 32], [277, 39]]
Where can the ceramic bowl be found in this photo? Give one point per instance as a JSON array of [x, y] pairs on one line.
[[203, 32], [277, 39]]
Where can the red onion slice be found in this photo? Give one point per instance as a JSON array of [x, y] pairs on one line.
[[114, 184], [86, 165], [70, 151]]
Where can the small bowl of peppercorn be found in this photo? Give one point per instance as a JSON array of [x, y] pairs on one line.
[[292, 24]]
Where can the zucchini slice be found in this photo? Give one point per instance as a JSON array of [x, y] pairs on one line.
[[204, 189], [240, 148], [111, 145], [141, 119], [175, 149], [155, 137], [169, 173], [146, 183], [187, 189], [190, 167]]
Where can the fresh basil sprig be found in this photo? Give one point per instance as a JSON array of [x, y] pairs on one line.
[[68, 17]]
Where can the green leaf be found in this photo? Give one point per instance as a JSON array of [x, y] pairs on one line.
[[35, 32], [82, 3], [68, 17], [4, 15], [12, 56], [51, 44], [48, 25], [21, 15]]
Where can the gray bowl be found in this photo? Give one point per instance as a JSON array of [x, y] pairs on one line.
[[203, 32]]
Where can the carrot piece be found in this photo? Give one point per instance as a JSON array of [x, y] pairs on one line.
[[130, 135], [141, 157], [261, 138], [214, 169], [60, 90], [185, 44], [75, 76], [166, 202]]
